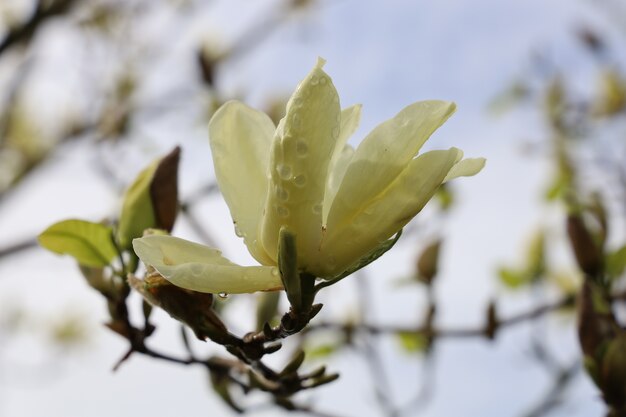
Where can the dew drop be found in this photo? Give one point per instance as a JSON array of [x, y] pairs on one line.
[[284, 171], [323, 80], [223, 295], [317, 209], [282, 194], [314, 80], [297, 102], [300, 180], [282, 211], [275, 272], [302, 149]]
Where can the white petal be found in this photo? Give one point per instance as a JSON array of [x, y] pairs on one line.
[[199, 268], [384, 154], [346, 243], [466, 168], [301, 152], [240, 144]]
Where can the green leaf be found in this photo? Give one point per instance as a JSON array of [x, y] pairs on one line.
[[413, 342], [321, 351], [514, 278], [137, 212], [151, 201], [615, 262], [445, 196], [91, 244]]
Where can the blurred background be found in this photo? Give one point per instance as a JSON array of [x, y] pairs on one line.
[[91, 91]]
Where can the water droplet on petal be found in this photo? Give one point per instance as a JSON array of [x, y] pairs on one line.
[[223, 295], [282, 194], [282, 211], [302, 149], [297, 102], [300, 180], [323, 80], [317, 209], [284, 171], [275, 272], [314, 80], [238, 231]]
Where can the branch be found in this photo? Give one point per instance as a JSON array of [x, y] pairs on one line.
[[481, 331], [23, 33], [18, 247]]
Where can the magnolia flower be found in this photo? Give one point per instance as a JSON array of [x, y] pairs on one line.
[[340, 203]]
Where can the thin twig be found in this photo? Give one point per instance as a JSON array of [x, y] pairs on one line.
[[469, 332], [18, 247], [23, 33]]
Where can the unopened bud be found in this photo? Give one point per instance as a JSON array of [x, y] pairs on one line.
[[613, 376], [427, 264], [587, 252], [190, 307]]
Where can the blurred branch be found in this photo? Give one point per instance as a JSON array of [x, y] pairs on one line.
[[553, 398], [482, 331], [17, 247], [43, 11], [373, 359]]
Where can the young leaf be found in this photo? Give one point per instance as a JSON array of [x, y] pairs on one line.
[[616, 262], [514, 278], [137, 212], [151, 201], [413, 342], [91, 244]]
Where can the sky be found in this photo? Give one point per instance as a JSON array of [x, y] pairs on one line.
[[384, 55]]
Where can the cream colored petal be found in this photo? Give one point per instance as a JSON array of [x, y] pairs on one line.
[[240, 144], [384, 153], [350, 118], [301, 152], [199, 268], [466, 168], [347, 243], [335, 176]]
